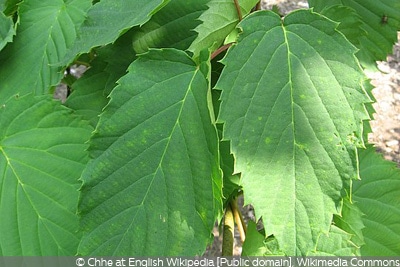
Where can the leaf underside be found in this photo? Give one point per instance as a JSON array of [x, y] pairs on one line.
[[154, 185], [292, 106], [377, 196], [379, 19], [42, 155]]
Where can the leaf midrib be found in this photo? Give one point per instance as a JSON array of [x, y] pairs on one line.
[[292, 103], [159, 167]]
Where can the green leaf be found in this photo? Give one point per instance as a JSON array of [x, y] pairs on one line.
[[381, 20], [9, 6], [89, 93], [350, 221], [231, 181], [42, 155], [109, 19], [6, 30], [154, 185], [218, 21], [336, 243], [256, 244], [350, 22], [173, 26], [377, 196], [46, 29], [293, 106], [88, 96], [118, 57], [370, 108]]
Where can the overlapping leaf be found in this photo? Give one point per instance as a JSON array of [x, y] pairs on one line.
[[88, 97], [377, 196], [350, 22], [42, 155], [217, 22], [379, 19], [9, 7], [256, 244], [173, 26], [108, 19], [46, 30], [351, 221], [89, 93], [118, 57], [6, 30], [154, 185], [337, 243], [292, 106]]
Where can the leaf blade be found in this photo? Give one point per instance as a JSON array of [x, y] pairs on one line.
[[36, 50], [42, 154], [218, 21], [274, 95], [139, 166], [170, 27], [379, 20], [338, 243], [6, 30], [376, 195], [112, 19]]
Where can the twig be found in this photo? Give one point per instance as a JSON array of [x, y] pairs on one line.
[[220, 50], [241, 225], [228, 233], [258, 6], [238, 9], [77, 62]]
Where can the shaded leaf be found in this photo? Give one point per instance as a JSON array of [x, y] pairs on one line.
[[155, 178], [6, 30], [88, 96], [89, 93], [46, 29], [118, 57], [350, 22], [9, 6], [42, 155], [111, 18], [369, 106], [231, 182], [350, 221], [377, 196], [173, 26], [293, 107], [380, 19]]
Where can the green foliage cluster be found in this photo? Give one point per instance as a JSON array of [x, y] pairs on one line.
[[166, 127]]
